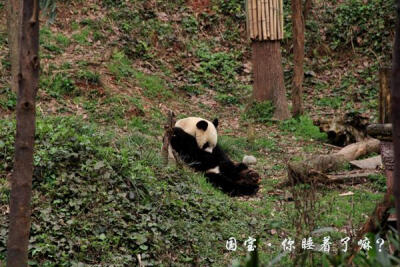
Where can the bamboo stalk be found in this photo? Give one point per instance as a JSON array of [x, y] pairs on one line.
[[273, 20], [277, 19], [259, 19], [254, 13], [278, 28], [264, 26], [268, 21], [282, 33], [270, 18], [249, 18]]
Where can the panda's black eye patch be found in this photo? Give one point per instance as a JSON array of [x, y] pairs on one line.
[[206, 145], [202, 125]]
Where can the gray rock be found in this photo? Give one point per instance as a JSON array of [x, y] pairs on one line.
[[249, 160]]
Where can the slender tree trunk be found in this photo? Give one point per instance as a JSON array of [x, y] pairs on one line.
[[298, 51], [268, 76], [396, 115], [13, 23], [21, 182]]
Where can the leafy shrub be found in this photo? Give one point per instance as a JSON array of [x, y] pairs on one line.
[[120, 65], [96, 192], [154, 86], [8, 99], [76, 170], [230, 7], [62, 40], [259, 112], [82, 37], [59, 85], [362, 24], [227, 99], [216, 70], [89, 76], [378, 182], [303, 127]]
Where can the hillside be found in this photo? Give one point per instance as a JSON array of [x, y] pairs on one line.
[[110, 71]]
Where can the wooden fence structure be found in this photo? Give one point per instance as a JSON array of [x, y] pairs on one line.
[[264, 19]]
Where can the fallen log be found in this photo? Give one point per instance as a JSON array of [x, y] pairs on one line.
[[313, 170], [380, 131]]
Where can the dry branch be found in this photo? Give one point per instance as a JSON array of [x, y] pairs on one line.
[[352, 177], [167, 136]]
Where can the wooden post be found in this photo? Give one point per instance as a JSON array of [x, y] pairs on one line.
[[265, 29], [21, 181], [384, 96], [396, 115]]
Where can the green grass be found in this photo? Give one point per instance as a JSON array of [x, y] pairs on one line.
[[8, 99], [62, 40], [303, 127], [111, 194], [82, 36], [258, 112], [90, 77], [59, 85], [153, 86]]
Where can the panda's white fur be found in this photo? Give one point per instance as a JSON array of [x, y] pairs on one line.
[[189, 125], [215, 170]]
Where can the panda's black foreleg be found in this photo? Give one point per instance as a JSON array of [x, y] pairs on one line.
[[221, 181]]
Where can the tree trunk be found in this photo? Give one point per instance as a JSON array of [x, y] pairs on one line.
[[268, 76], [396, 115], [13, 26], [384, 96], [298, 52], [21, 182]]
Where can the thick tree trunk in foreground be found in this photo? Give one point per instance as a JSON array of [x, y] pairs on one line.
[[298, 53], [396, 115], [268, 76], [21, 182], [13, 27], [384, 96]]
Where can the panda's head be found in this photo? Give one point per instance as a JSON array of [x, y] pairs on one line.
[[203, 130]]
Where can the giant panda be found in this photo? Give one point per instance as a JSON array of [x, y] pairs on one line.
[[203, 131], [198, 148]]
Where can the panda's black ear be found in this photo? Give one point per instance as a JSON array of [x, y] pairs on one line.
[[202, 125], [215, 122]]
